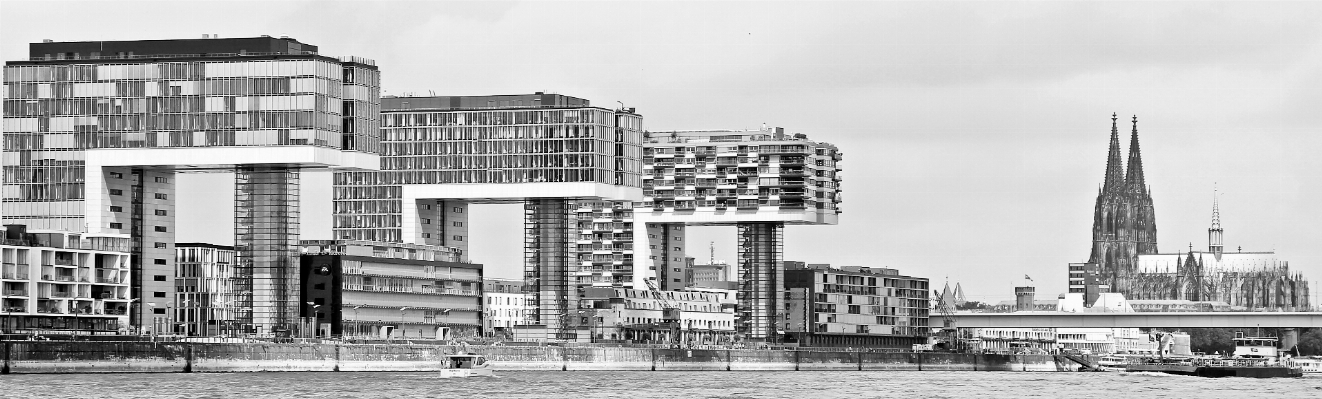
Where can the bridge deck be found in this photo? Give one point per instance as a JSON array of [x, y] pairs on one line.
[[1138, 319]]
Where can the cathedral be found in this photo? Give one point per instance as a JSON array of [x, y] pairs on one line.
[[1124, 256]]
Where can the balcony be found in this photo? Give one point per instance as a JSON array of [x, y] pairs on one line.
[[20, 274], [12, 292]]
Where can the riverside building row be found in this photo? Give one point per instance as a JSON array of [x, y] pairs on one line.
[[97, 131]]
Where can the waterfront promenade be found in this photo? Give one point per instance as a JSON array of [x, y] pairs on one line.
[[35, 357]]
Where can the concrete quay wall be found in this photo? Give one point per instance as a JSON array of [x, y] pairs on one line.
[[33, 357]]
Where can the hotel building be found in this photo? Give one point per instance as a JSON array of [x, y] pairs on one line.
[[61, 282], [95, 132], [854, 306]]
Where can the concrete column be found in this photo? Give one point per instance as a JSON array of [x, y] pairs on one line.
[[1289, 338]]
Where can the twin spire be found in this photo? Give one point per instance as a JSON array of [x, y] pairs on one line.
[[1117, 177]]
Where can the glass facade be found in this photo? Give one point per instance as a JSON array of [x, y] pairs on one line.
[[498, 146], [266, 238], [204, 289]]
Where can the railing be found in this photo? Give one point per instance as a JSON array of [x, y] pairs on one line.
[[21, 274], [16, 292]]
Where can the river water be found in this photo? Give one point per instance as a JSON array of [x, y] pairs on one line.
[[657, 384]]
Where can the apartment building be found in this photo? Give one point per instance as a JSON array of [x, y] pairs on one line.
[[854, 306], [506, 305], [686, 318], [205, 300], [62, 282]]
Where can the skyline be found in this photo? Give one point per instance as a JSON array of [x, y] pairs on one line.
[[1220, 91]]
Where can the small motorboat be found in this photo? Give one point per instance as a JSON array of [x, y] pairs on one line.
[[466, 365]]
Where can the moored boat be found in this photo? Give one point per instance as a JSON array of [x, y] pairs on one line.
[[1254, 357], [466, 365]]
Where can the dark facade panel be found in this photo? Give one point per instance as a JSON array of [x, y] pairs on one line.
[[85, 50]]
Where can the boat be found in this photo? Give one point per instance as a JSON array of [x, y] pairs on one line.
[[1309, 364], [466, 365], [1254, 357], [1112, 363]]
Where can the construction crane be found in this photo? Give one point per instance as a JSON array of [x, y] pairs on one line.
[[670, 313], [949, 335]]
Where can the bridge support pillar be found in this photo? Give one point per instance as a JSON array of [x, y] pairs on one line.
[[1289, 338]]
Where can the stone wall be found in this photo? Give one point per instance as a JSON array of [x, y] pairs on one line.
[[168, 357]]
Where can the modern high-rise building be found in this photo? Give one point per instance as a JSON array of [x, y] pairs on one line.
[[546, 151], [96, 131], [757, 180]]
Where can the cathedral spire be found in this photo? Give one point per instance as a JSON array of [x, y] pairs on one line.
[[1114, 168], [1134, 172], [1214, 233]]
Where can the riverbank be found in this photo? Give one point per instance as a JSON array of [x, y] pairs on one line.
[[39, 357]]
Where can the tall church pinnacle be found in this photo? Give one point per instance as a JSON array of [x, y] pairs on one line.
[[1216, 210], [1134, 172], [1115, 174]]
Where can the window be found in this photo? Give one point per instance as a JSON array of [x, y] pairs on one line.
[[117, 175], [114, 208], [161, 196], [116, 225], [116, 191], [161, 212], [426, 207], [158, 294], [161, 245], [458, 210], [162, 179], [458, 238], [426, 221], [426, 235], [160, 228], [158, 311], [679, 249], [159, 261], [158, 277], [458, 224]]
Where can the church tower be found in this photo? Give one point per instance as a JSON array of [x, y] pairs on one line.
[[1214, 233], [1124, 223], [1140, 200]]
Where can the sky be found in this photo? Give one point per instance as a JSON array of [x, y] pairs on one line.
[[974, 133]]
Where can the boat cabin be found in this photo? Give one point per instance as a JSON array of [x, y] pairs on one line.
[[1255, 347]]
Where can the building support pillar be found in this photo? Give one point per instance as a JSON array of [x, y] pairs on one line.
[[546, 271], [760, 279], [266, 212]]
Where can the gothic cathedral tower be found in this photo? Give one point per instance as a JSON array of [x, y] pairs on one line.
[[1124, 224]]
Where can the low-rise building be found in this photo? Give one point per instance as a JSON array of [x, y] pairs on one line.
[[206, 301], [687, 318], [363, 289], [854, 306], [506, 305], [1010, 340], [63, 282]]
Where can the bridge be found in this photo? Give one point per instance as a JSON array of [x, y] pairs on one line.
[[1137, 319]]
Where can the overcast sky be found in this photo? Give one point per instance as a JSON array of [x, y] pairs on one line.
[[974, 134]]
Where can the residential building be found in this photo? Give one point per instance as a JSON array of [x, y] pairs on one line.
[[205, 301], [758, 181], [854, 306], [96, 132], [1010, 340], [705, 275], [364, 289], [506, 305], [687, 318], [546, 151], [62, 282]]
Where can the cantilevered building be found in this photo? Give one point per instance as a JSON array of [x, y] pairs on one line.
[[96, 131], [756, 180], [546, 151]]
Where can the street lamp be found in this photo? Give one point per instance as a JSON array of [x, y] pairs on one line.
[[356, 321], [401, 321]]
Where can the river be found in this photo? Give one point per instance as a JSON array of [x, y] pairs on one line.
[[644, 384]]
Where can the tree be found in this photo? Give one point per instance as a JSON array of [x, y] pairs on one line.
[[969, 305], [1310, 341]]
